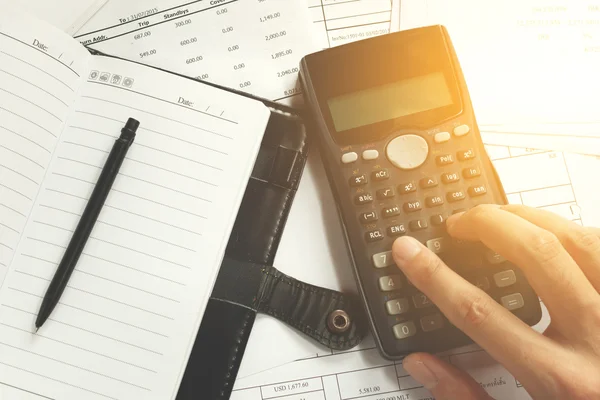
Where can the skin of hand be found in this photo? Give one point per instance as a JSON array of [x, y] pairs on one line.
[[560, 259]]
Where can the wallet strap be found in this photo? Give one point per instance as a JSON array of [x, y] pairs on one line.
[[332, 318]]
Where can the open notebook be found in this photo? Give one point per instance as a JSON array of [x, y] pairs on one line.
[[127, 320]]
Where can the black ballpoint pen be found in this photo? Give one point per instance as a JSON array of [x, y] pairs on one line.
[[88, 219]]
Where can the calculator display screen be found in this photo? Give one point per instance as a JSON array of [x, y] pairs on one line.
[[390, 101]]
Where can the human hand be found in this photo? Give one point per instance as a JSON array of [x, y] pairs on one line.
[[560, 259]]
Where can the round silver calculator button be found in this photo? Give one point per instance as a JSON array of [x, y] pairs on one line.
[[407, 151]]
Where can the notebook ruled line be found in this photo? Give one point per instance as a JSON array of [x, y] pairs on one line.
[[33, 104], [79, 348], [138, 144], [39, 69], [39, 51], [120, 228], [13, 210], [75, 366], [10, 228], [96, 295], [16, 192], [36, 86], [126, 267], [57, 380], [28, 120], [20, 174], [144, 163], [136, 196], [22, 156], [27, 139], [95, 333]]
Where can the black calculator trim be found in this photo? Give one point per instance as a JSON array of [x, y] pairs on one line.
[[337, 174]]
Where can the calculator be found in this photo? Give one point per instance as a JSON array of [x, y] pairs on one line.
[[399, 141]]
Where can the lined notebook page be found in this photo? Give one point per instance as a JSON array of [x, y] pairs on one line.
[[39, 75], [126, 322]]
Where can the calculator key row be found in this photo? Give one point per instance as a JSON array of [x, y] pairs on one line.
[[409, 187], [367, 155], [462, 155], [443, 137], [417, 205], [428, 323]]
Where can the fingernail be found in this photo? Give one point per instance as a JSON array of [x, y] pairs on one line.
[[420, 372], [452, 219], [406, 249]]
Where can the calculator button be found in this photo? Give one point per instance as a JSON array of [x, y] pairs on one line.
[[450, 178], [381, 175], [470, 173], [349, 158], [412, 206], [481, 282], [374, 236], [368, 217], [390, 212], [404, 330], [418, 225], [385, 193], [369, 155], [434, 201], [396, 230], [505, 278], [437, 245], [442, 137], [397, 306], [466, 155], [437, 220], [444, 160], [459, 210], [407, 151], [513, 301], [428, 183], [494, 258], [359, 180], [421, 301], [432, 322], [364, 198], [382, 260], [455, 196], [389, 283], [408, 187], [475, 191], [462, 130]]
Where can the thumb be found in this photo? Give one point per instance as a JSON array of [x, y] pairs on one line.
[[444, 381]]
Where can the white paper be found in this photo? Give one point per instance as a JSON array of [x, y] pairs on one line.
[[67, 15], [549, 180], [531, 65], [250, 46], [40, 72], [337, 22], [127, 321]]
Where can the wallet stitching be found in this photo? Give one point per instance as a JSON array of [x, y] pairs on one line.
[[233, 359], [329, 338]]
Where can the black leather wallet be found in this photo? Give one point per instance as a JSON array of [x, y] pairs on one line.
[[249, 283]]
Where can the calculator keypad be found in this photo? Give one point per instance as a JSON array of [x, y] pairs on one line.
[[420, 205]]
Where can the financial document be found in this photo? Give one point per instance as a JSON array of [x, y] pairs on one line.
[[338, 22], [312, 249], [250, 46], [531, 66]]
